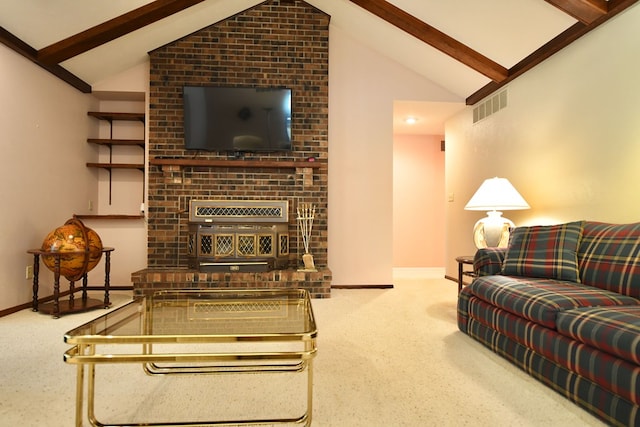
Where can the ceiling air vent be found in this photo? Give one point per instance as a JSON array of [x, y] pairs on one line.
[[492, 105]]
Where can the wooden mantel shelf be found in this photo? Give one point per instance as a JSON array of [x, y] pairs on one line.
[[274, 164]]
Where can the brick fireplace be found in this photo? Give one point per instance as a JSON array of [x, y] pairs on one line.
[[279, 43]]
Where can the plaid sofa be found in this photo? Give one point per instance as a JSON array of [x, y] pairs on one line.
[[562, 302]]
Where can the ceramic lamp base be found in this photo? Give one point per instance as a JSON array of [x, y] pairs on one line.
[[492, 231]]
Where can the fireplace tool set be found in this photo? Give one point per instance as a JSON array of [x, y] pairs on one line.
[[306, 214]]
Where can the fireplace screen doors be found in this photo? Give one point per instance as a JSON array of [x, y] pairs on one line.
[[239, 238]]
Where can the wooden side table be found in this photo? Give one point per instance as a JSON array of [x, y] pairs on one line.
[[57, 307], [462, 261]]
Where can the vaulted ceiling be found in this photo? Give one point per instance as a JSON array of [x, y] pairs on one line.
[[469, 47]]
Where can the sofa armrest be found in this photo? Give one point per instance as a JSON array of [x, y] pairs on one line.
[[488, 261]]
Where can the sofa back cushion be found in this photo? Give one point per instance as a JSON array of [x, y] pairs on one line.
[[544, 251], [609, 257]]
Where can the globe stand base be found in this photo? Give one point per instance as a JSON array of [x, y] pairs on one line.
[[76, 306]]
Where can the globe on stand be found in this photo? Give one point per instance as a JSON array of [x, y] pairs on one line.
[[80, 248]]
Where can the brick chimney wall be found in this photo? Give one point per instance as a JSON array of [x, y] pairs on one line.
[[277, 43]]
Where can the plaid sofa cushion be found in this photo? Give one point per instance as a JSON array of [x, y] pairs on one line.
[[540, 300], [615, 330], [544, 251], [609, 257]]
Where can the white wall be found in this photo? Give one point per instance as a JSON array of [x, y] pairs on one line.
[[362, 87], [48, 118], [45, 181], [43, 137], [569, 139]]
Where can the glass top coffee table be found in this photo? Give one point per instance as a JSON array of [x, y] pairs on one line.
[[200, 332]]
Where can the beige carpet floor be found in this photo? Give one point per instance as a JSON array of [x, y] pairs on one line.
[[386, 357]]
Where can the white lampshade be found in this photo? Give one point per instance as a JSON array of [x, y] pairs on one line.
[[494, 195]]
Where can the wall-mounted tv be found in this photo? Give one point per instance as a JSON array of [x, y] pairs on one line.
[[237, 119]]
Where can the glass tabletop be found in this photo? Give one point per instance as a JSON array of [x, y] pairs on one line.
[[204, 316]]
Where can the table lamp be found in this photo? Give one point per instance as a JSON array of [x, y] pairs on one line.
[[494, 195]]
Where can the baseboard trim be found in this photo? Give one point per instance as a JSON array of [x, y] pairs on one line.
[[11, 310], [381, 286], [17, 308]]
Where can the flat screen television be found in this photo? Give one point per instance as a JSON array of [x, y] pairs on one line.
[[237, 119]]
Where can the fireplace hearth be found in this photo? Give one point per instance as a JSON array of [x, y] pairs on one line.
[[238, 235]]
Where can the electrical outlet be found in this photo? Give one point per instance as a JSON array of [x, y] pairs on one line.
[[28, 272], [90, 205]]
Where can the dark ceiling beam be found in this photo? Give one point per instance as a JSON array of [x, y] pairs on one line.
[[434, 38], [30, 53], [112, 29], [585, 11], [559, 42]]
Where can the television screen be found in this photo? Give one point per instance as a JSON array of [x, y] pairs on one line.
[[237, 119]]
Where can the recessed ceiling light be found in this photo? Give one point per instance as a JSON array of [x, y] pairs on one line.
[[411, 120]]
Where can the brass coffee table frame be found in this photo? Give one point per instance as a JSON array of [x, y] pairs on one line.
[[251, 318]]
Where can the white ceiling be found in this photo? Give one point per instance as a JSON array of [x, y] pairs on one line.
[[505, 31]]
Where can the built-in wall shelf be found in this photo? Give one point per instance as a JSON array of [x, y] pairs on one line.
[[108, 216], [112, 118], [110, 166], [273, 164], [111, 142], [108, 116]]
